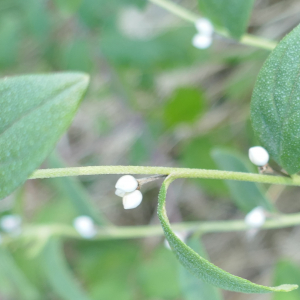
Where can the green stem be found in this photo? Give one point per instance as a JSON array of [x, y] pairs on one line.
[[179, 173], [247, 39], [127, 232]]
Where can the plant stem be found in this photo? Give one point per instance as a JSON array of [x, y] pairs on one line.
[[126, 232], [189, 16], [176, 172]]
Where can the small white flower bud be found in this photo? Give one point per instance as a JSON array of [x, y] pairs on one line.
[[201, 41], [204, 26], [132, 200], [120, 193], [180, 235], [258, 156], [256, 217], [11, 223], [85, 226], [127, 184]]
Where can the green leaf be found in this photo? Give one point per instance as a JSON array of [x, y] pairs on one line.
[[17, 283], [68, 6], [232, 15], [77, 55], [275, 104], [246, 195], [184, 106], [10, 39], [197, 154], [35, 111], [287, 271], [158, 276], [192, 287], [168, 50], [58, 273], [201, 267], [109, 268]]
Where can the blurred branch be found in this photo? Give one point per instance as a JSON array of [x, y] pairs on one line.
[[176, 172], [247, 39], [114, 232]]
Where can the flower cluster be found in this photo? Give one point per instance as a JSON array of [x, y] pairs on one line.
[[126, 187], [203, 38]]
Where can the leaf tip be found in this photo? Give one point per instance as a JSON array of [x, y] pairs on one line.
[[285, 288]]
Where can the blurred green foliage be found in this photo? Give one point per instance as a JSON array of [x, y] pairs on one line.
[[286, 271], [87, 35]]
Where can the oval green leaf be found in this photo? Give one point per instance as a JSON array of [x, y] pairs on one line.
[[201, 267], [35, 110], [275, 104]]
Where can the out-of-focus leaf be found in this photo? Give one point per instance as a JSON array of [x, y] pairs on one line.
[[287, 271], [168, 50], [246, 195], [35, 111], [196, 154], [201, 267], [185, 106], [9, 37], [140, 152], [70, 187], [275, 103], [109, 268], [58, 273], [77, 56], [37, 19], [158, 275], [16, 283], [68, 6], [95, 13], [232, 15], [193, 288]]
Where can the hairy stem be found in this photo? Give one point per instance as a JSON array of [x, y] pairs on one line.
[[247, 39], [179, 173], [126, 232]]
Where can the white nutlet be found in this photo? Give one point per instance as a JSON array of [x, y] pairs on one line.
[[256, 217], [201, 41], [258, 156], [11, 223], [126, 184], [204, 26], [132, 200], [85, 226]]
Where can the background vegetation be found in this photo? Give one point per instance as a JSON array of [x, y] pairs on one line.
[[154, 100]]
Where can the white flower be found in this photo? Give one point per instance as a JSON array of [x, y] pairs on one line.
[[256, 217], [258, 156], [126, 184], [85, 226], [204, 26], [201, 41], [180, 235], [132, 200], [11, 223]]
